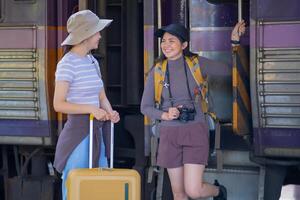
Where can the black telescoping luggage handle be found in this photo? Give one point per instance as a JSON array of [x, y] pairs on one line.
[[111, 165]]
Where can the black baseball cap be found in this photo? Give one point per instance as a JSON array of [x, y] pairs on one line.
[[177, 30]]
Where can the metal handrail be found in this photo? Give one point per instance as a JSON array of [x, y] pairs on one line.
[[15, 69], [33, 89], [18, 108], [18, 79], [209, 28], [262, 60], [264, 22], [279, 93], [19, 117], [278, 49], [281, 126], [18, 50], [279, 82], [18, 27], [264, 115], [263, 71], [280, 104], [17, 59], [18, 99]]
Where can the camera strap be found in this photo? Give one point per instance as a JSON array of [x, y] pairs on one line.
[[187, 84]]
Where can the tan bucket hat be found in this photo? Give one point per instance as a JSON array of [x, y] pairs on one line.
[[82, 25]]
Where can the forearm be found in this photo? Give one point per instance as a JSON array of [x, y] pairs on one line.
[[148, 106], [105, 104], [112, 115], [151, 112], [72, 108]]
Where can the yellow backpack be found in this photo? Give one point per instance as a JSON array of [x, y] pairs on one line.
[[193, 64]]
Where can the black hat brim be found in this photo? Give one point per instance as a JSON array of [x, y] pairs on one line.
[[160, 32]]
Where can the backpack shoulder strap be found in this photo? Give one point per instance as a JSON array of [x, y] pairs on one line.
[[193, 63], [159, 77]]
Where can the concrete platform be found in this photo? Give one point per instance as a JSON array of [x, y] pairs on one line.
[[290, 192], [240, 183]]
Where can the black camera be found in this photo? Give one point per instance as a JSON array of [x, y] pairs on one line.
[[186, 114]]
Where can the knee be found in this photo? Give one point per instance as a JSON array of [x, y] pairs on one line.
[[179, 195], [194, 192]]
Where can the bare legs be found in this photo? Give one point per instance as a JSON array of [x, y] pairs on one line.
[[176, 176], [193, 182], [188, 181]]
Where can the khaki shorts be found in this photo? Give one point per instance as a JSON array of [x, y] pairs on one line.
[[186, 144]]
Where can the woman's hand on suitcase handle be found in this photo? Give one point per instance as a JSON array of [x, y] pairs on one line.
[[100, 114], [114, 116]]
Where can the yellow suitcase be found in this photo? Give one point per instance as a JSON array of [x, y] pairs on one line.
[[103, 183]]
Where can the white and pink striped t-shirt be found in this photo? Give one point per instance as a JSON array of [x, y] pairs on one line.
[[84, 76]]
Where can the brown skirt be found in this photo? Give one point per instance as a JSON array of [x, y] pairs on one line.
[[186, 144]]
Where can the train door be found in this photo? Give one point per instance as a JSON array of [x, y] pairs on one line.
[[121, 61]]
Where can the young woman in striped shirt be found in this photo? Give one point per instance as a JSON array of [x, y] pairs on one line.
[[79, 91]]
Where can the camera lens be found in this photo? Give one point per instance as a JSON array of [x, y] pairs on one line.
[[183, 115], [186, 114]]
